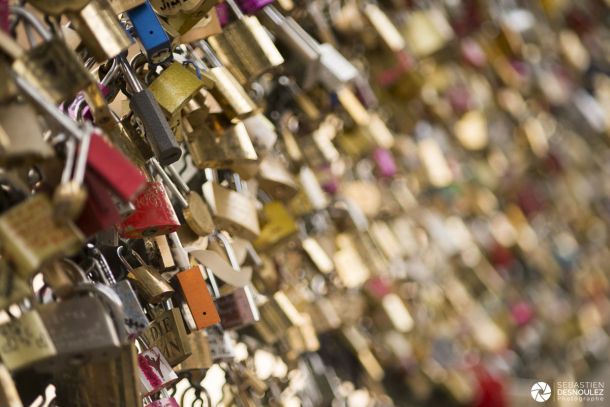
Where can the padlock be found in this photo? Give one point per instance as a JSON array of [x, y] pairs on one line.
[[227, 91], [201, 357], [31, 237], [152, 36], [427, 31], [171, 8], [231, 210], [164, 402], [154, 371], [21, 119], [198, 297], [386, 166], [134, 320], [273, 178], [100, 30], [209, 25], [156, 128], [221, 346], [53, 67], [113, 169], [151, 285], [225, 145], [25, 342], [237, 309], [153, 215], [174, 87], [278, 226], [13, 288], [100, 383], [252, 6], [99, 211], [168, 333], [194, 209], [262, 133], [121, 6], [85, 326], [251, 43]]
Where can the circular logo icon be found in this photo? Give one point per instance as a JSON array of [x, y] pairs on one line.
[[541, 392]]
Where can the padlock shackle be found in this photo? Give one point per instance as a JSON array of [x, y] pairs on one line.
[[209, 53], [168, 182], [33, 21], [235, 8], [129, 75], [119, 253], [228, 249]]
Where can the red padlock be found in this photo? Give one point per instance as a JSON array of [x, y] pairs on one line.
[[114, 169], [154, 214], [100, 212]]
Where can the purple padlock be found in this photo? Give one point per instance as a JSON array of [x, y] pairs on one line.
[[73, 109], [165, 402], [252, 6], [386, 166]]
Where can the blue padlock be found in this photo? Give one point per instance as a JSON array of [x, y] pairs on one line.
[[152, 36]]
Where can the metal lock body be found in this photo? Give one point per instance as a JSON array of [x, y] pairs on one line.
[[31, 237], [154, 214], [232, 148], [221, 346], [154, 372], [275, 179], [21, 140], [251, 43], [51, 66], [174, 87], [101, 31], [150, 284], [207, 26], [145, 107], [168, 333], [232, 211], [152, 36], [278, 227], [121, 6], [101, 383], [25, 342], [113, 169], [262, 133], [201, 357], [81, 329], [198, 297], [173, 7], [236, 309]]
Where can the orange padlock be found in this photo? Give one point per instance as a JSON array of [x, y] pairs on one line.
[[198, 297]]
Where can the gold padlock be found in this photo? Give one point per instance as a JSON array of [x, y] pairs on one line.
[[232, 210], [174, 87], [31, 237]]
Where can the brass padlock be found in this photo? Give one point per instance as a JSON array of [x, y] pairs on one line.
[[25, 341], [251, 43], [101, 383], [31, 237], [51, 66], [174, 87], [273, 178], [227, 91], [168, 333], [149, 283], [207, 26], [201, 358], [232, 210], [225, 145], [101, 30], [21, 136]]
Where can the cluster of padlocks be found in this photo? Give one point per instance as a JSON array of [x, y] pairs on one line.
[[301, 203]]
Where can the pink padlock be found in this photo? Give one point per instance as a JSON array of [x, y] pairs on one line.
[[386, 166], [155, 372], [154, 214], [165, 402]]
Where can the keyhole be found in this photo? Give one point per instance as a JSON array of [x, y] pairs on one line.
[[151, 32], [205, 313]]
